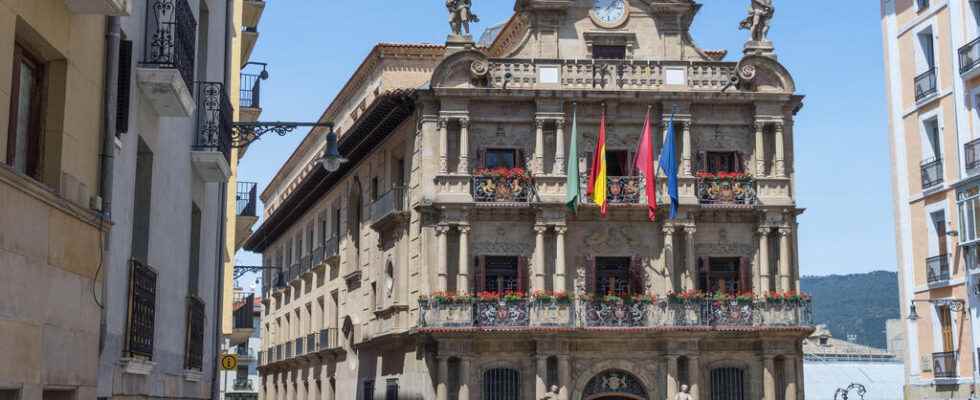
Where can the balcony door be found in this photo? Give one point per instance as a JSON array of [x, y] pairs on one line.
[[501, 274], [618, 276], [945, 316], [724, 274]]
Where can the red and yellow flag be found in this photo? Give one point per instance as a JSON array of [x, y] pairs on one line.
[[597, 175]]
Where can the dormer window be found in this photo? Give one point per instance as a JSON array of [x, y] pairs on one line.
[[609, 52]]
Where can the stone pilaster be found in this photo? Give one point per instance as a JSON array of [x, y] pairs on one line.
[[464, 146], [443, 145], [442, 236], [690, 279], [762, 264], [539, 269], [780, 170], [463, 279], [559, 278], [668, 257], [559, 167], [785, 274]]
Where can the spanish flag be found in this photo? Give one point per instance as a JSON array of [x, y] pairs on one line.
[[597, 175]]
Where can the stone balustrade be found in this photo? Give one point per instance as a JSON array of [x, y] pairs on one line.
[[610, 74]]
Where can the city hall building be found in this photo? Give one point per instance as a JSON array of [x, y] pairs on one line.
[[442, 261]]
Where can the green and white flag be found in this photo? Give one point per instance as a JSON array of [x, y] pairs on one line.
[[572, 188]]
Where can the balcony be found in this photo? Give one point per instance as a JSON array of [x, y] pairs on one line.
[[502, 188], [925, 85], [243, 321], [243, 384], [971, 154], [329, 340], [167, 71], [327, 253], [246, 210], [252, 12], [211, 151], [300, 348], [610, 74], [721, 190], [624, 189], [937, 269], [932, 172], [390, 209], [606, 313], [289, 351], [969, 56], [249, 100], [100, 7], [944, 365], [311, 345], [250, 36]]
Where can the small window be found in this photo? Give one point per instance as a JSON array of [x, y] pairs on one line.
[[389, 280], [391, 390], [24, 130], [500, 158], [723, 161], [368, 390], [609, 52], [618, 163], [824, 340], [922, 4], [501, 274], [613, 276]]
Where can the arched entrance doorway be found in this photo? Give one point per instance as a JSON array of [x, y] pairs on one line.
[[614, 385]]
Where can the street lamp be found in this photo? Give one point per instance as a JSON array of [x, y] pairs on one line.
[[955, 305], [331, 159]]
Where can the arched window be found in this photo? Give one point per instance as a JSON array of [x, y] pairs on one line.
[[615, 384], [728, 384], [502, 384]]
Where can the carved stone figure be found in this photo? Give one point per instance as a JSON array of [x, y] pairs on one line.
[[460, 16], [684, 393], [760, 13], [552, 394]]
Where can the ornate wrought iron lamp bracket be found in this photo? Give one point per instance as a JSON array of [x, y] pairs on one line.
[[241, 270], [244, 133], [955, 305]]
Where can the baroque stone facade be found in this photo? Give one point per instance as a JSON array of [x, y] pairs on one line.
[[381, 261]]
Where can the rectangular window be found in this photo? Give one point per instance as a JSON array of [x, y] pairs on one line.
[[399, 180], [927, 51], [613, 276], [921, 5], [501, 274], [375, 188], [391, 390], [194, 352], [609, 52], [723, 161], [142, 310], [58, 395], [124, 86], [932, 143], [195, 256], [721, 275], [500, 158], [368, 390], [946, 325], [24, 130], [142, 202]]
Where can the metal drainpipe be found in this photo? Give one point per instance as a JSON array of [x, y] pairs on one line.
[[110, 98], [219, 271]]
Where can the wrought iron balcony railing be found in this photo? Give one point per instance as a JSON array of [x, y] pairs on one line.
[[142, 310], [615, 314], [331, 248], [734, 191], [242, 384], [246, 199], [624, 189], [214, 119], [171, 37], [311, 345], [969, 55], [329, 339], [251, 90], [299, 346], [388, 205], [932, 172], [491, 189], [306, 264], [245, 315], [937, 269], [944, 365], [971, 154], [925, 84], [294, 271]]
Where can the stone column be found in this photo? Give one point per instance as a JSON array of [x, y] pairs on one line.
[[686, 153], [559, 167], [780, 151], [762, 265], [312, 393], [668, 257], [760, 149], [671, 376], [287, 392], [559, 281], [442, 235], [768, 378], [541, 377], [784, 259], [539, 147], [463, 278], [464, 146], [539, 257], [442, 381], [326, 392], [789, 371], [690, 282], [694, 374], [564, 377], [464, 378], [443, 145]]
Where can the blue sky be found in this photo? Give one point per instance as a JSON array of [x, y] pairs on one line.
[[832, 48]]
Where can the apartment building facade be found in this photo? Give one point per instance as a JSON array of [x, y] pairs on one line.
[[931, 58], [442, 262], [243, 382], [52, 58]]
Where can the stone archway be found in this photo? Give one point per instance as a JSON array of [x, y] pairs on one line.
[[614, 384], [645, 374]]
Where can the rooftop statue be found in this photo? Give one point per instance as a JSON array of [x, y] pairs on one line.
[[460, 16], [684, 394], [760, 14]]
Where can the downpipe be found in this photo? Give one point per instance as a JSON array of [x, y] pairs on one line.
[[107, 158]]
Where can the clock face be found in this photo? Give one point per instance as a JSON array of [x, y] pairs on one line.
[[609, 11]]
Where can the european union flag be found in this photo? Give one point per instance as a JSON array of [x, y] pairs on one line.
[[668, 163]]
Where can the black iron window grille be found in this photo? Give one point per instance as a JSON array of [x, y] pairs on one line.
[[247, 199], [944, 365], [142, 310], [932, 172], [925, 84], [250, 91], [214, 119], [171, 36], [502, 384], [195, 334]]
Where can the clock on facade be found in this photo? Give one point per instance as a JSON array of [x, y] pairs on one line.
[[609, 13]]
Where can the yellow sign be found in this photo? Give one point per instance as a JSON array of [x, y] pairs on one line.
[[229, 362]]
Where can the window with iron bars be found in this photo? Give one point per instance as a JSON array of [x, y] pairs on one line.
[[194, 352], [142, 310]]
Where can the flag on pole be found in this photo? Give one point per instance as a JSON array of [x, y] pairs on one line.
[[668, 163], [644, 165], [597, 175], [573, 190]]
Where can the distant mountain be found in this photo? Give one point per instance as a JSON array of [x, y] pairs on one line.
[[857, 304]]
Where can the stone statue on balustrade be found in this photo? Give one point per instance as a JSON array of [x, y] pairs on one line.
[[460, 16], [552, 394], [684, 393], [757, 23]]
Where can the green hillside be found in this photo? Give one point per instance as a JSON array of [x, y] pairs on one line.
[[857, 304]]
